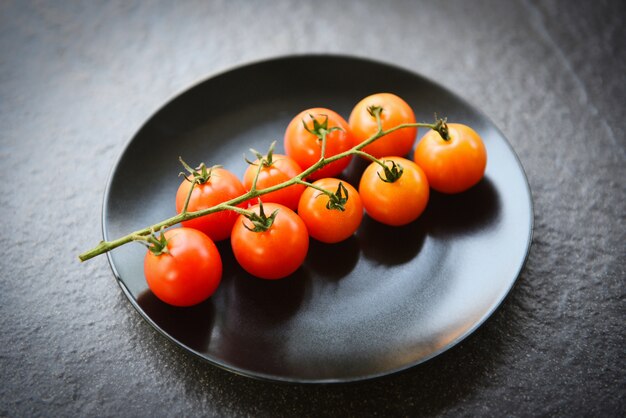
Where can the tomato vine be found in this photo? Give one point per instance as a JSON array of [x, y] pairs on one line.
[[199, 175]]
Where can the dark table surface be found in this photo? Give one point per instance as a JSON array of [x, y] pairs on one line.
[[77, 80]]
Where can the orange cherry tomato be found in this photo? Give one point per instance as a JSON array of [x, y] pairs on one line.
[[279, 169], [189, 272], [394, 203], [328, 224], [306, 147], [276, 252], [395, 111], [453, 165], [221, 186]]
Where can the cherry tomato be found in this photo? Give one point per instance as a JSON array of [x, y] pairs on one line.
[[394, 203], [453, 165], [221, 186], [276, 252], [277, 169], [304, 146], [189, 272], [325, 223], [395, 111]]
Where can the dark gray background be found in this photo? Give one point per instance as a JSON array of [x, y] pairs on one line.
[[78, 79]]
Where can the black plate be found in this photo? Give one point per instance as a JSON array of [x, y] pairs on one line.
[[386, 299]]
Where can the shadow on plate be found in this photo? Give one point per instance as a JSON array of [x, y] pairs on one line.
[[332, 261], [476, 209], [192, 326], [390, 245], [266, 301]]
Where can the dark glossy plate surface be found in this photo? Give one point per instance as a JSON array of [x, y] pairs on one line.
[[383, 301]]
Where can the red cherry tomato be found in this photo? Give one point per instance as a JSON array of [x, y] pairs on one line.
[[189, 272], [305, 147], [221, 186], [395, 111], [453, 165], [276, 252], [326, 224], [394, 203], [278, 169]]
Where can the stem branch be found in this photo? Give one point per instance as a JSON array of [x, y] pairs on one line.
[[316, 187]]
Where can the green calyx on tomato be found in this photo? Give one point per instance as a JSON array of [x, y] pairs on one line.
[[261, 222], [392, 173], [338, 200], [199, 175], [320, 129], [157, 244], [266, 160], [374, 110], [442, 128]]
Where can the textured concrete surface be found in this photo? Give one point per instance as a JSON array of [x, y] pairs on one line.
[[78, 79]]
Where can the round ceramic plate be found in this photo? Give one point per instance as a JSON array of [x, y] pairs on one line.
[[384, 300]]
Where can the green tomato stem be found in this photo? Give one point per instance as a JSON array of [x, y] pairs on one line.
[[370, 157], [188, 198], [313, 186]]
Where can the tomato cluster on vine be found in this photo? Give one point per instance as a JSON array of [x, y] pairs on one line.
[[292, 197]]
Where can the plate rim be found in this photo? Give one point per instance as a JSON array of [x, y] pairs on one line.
[[271, 377]]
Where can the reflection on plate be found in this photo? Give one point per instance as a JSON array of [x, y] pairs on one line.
[[383, 301]]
